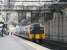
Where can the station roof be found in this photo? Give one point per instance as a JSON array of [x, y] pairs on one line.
[[28, 2]]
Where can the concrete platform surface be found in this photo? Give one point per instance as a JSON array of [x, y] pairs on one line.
[[16, 43]]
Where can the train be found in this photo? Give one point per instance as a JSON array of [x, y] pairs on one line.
[[32, 32]]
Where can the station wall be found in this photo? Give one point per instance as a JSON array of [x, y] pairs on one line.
[[57, 28]]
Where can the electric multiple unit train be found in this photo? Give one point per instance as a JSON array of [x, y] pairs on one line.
[[33, 32]]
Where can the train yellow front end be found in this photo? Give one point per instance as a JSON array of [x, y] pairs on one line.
[[37, 32]]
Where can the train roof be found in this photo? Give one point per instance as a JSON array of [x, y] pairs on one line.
[[35, 24]]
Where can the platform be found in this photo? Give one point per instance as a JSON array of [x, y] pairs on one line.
[[16, 43]]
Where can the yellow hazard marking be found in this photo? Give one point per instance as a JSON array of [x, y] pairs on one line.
[[33, 45], [36, 46]]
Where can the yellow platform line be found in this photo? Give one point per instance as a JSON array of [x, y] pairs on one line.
[[33, 45], [36, 46]]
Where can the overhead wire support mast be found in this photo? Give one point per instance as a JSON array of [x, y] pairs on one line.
[[2, 7], [2, 15]]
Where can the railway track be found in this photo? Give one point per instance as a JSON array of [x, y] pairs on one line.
[[53, 45]]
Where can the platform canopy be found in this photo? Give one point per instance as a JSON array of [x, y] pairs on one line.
[[28, 2]]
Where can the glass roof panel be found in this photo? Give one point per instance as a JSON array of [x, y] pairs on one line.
[[29, 2], [20, 3]]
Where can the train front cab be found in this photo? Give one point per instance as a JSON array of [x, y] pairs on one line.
[[38, 35]]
